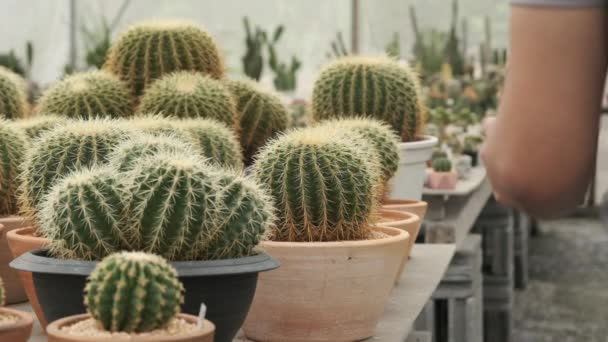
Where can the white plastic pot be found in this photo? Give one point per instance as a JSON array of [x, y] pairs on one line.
[[409, 179]]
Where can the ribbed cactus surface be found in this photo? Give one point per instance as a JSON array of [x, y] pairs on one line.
[[140, 146], [133, 292], [379, 88], [323, 188], [146, 52], [37, 125], [13, 146], [261, 116], [82, 215], [189, 95], [13, 98], [87, 95], [442, 165]]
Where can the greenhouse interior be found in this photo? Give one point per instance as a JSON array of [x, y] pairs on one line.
[[303, 170]]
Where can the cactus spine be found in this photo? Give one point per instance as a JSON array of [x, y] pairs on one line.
[[82, 215], [146, 52], [379, 88], [87, 95], [189, 95], [37, 125], [13, 146], [442, 165], [133, 292], [66, 148], [262, 116], [324, 189], [13, 97]]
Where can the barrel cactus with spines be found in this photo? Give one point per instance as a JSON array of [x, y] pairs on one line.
[[189, 95], [155, 125], [147, 51], [37, 125], [87, 95], [323, 187], [261, 116], [217, 142], [82, 215], [133, 292], [442, 165], [379, 88], [13, 98], [13, 146], [67, 148], [139, 146]]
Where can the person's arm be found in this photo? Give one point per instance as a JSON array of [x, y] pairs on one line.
[[540, 150]]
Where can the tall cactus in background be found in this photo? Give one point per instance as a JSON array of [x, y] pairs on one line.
[[338, 47], [285, 75], [379, 88], [87, 95], [146, 52], [262, 116], [323, 188], [13, 95], [189, 95], [13, 145], [37, 125], [253, 60], [67, 148], [133, 292], [82, 215]]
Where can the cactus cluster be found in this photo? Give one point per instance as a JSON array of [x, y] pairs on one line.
[[261, 116], [82, 215], [65, 149], [128, 153], [189, 95], [87, 95], [442, 165], [146, 52], [13, 98], [37, 125], [379, 88], [133, 292], [13, 145], [323, 187]]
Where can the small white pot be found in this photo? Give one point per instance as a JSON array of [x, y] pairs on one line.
[[409, 179]]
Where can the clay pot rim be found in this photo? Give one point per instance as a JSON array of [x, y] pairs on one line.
[[11, 218], [396, 235], [25, 319], [390, 203], [38, 261], [25, 233], [53, 329], [409, 217]]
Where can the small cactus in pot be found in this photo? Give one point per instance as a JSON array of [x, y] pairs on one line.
[[442, 176]]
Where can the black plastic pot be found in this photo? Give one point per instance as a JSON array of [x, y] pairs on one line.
[[474, 156], [225, 286]]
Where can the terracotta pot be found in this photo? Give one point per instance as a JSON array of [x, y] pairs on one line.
[[443, 180], [20, 241], [56, 335], [325, 291], [20, 331], [12, 284], [409, 206], [404, 221]]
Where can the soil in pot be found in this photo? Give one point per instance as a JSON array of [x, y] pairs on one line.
[[326, 291], [20, 241], [12, 284], [15, 326], [225, 286], [83, 328]]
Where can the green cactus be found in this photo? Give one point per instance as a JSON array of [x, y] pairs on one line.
[[184, 209], [262, 116], [442, 165], [324, 189], [383, 140], [253, 60], [438, 154], [379, 88], [155, 125], [128, 153], [37, 125], [189, 95], [146, 52], [2, 294], [13, 146], [86, 95], [216, 141], [13, 95], [133, 292], [68, 147], [82, 214]]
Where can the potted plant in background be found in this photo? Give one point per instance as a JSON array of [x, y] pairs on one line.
[[442, 176], [471, 148], [15, 326], [132, 295], [324, 188]]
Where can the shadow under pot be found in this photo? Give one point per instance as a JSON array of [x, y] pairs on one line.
[[225, 286]]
